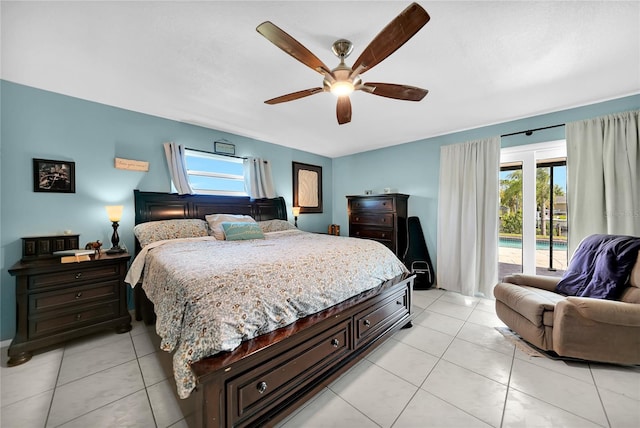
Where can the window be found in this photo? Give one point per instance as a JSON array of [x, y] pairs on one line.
[[213, 174]]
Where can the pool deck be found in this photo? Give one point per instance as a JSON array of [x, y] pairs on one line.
[[510, 261]]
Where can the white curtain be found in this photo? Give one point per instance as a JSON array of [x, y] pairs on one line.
[[257, 178], [468, 217], [603, 176], [177, 167]]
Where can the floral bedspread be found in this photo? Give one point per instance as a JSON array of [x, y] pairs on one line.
[[209, 295]]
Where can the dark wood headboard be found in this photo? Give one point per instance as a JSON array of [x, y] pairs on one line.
[[152, 206]]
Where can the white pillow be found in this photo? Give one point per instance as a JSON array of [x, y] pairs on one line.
[[215, 222]]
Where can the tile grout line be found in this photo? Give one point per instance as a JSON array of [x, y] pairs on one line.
[[604, 409], [144, 383], [55, 387]]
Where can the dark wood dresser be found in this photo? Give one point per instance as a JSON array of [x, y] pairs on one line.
[[56, 302], [380, 217]]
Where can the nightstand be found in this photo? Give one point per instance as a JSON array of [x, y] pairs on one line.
[[56, 302]]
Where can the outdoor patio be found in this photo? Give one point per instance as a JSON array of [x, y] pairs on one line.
[[510, 261]]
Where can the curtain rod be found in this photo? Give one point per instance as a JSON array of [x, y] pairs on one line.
[[531, 131], [214, 153]]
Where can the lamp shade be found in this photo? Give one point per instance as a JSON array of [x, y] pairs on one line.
[[114, 212], [296, 211]]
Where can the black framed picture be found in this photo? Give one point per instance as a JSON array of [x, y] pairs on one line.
[[307, 187], [54, 176]]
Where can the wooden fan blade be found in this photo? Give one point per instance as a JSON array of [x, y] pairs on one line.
[[394, 35], [398, 92], [291, 46], [344, 110], [294, 96]]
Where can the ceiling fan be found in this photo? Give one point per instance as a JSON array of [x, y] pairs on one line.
[[343, 80]]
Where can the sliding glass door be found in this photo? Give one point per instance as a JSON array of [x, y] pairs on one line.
[[533, 209], [551, 217]]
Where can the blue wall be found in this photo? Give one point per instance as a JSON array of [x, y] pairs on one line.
[[413, 168], [40, 124]]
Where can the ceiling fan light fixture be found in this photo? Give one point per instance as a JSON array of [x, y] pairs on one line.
[[342, 88]]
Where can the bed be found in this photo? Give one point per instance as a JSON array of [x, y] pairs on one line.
[[265, 373]]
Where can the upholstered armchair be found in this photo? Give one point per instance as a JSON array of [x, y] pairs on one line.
[[592, 313]]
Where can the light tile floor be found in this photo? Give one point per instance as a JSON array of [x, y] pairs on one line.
[[452, 369]]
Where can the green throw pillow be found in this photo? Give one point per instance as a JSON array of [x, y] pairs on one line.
[[234, 231]]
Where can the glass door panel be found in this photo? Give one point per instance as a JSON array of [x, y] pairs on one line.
[[510, 233], [551, 217]]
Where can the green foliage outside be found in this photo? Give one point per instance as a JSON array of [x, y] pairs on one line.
[[511, 202]]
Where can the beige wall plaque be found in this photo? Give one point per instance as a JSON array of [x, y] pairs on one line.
[[132, 165]]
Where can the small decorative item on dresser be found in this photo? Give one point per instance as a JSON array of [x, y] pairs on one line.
[[95, 246], [39, 247]]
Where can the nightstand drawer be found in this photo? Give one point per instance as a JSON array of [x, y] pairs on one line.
[[373, 219], [78, 274], [373, 204], [104, 291], [84, 315]]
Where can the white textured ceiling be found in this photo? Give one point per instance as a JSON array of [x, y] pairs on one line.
[[203, 63]]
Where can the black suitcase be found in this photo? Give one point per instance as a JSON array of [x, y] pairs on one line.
[[417, 257]]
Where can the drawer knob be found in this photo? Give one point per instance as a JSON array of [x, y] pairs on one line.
[[357, 218], [261, 387], [78, 317], [384, 235], [335, 343], [384, 220], [78, 275], [78, 294], [399, 302], [367, 323]]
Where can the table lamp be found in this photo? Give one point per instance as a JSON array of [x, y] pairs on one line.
[[296, 213], [115, 214]]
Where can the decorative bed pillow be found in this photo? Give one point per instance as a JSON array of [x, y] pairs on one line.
[[169, 229], [275, 225], [234, 231], [215, 221]]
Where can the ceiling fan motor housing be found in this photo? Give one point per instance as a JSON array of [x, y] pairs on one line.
[[342, 48]]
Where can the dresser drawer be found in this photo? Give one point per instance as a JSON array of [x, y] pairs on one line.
[[372, 219], [104, 291], [372, 204], [371, 233], [78, 275], [57, 321], [286, 373], [381, 316]]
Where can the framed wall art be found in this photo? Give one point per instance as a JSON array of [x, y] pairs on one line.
[[54, 176], [307, 187]]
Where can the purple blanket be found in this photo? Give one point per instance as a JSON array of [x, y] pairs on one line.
[[600, 267]]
